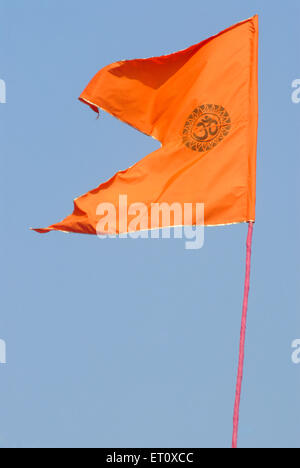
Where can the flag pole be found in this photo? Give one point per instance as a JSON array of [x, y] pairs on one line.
[[242, 340]]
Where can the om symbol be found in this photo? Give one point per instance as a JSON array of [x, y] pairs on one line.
[[206, 127]]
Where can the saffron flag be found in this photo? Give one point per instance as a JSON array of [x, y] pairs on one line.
[[201, 103]]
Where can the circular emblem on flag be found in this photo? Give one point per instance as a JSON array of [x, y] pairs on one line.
[[206, 127]]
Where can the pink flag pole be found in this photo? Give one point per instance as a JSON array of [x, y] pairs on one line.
[[242, 341]]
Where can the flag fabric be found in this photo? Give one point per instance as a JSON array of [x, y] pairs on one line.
[[201, 103]]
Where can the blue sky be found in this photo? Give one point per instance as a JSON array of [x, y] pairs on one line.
[[134, 343]]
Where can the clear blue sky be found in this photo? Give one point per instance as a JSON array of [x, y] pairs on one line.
[[133, 343]]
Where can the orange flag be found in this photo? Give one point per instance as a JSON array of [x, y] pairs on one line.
[[202, 105]]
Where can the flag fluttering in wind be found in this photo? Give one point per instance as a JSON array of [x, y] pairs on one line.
[[201, 104]]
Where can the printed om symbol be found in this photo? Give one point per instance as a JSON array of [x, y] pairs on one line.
[[206, 128]]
